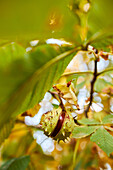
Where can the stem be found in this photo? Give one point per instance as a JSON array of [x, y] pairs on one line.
[[54, 94], [105, 71], [75, 152], [77, 73], [92, 88], [86, 72]]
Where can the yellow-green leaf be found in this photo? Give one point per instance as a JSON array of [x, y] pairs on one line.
[[25, 79], [103, 139], [83, 131]]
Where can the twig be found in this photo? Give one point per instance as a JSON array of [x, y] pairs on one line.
[[55, 95], [92, 88], [105, 71], [77, 73], [75, 152]]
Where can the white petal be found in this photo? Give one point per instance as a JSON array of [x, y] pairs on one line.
[[48, 145]]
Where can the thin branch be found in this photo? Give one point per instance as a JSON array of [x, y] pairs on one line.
[[105, 71], [92, 88], [76, 72], [86, 72], [55, 95]]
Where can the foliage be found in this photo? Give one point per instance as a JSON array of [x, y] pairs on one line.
[[100, 136], [5, 131], [16, 163], [29, 67], [103, 139]]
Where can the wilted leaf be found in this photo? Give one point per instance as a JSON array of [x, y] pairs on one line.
[[67, 92], [103, 139], [20, 163], [25, 81], [86, 121], [31, 112], [83, 131]]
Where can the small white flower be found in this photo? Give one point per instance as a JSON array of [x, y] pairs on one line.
[[101, 65], [28, 49], [34, 43], [107, 166], [45, 107], [54, 101], [82, 97], [46, 143], [57, 41], [97, 107], [111, 108]]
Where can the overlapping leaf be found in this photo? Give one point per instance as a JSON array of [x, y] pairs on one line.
[[20, 163], [67, 92], [104, 84], [103, 139], [83, 131], [87, 121], [25, 79], [108, 119]]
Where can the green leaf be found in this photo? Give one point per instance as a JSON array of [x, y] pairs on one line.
[[108, 119], [87, 121], [104, 84], [10, 52], [20, 163], [83, 131], [37, 20], [103, 139], [25, 80], [100, 24], [6, 130]]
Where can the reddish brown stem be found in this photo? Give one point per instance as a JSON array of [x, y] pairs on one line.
[[92, 88]]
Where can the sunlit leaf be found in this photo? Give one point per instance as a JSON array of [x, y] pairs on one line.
[[20, 163], [27, 78], [103, 139], [86, 121], [108, 119], [83, 131], [103, 83], [9, 54]]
